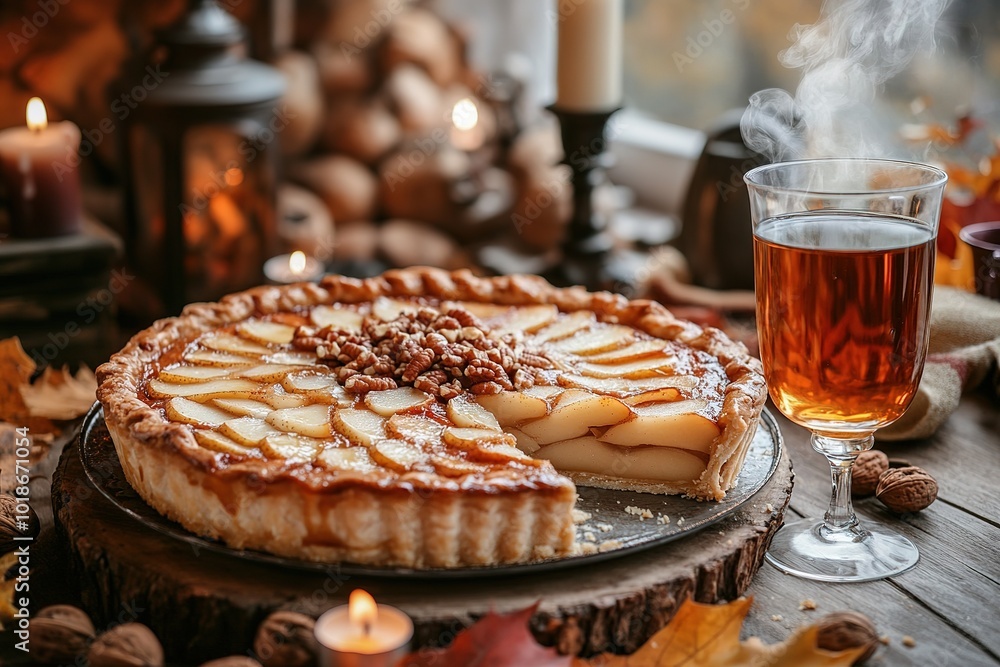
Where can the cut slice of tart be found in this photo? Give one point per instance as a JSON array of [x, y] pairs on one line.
[[422, 418]]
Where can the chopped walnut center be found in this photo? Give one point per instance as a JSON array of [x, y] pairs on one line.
[[443, 354]]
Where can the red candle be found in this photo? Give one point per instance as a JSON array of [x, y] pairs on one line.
[[42, 189]]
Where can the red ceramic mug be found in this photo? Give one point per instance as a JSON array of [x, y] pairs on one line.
[[984, 239]]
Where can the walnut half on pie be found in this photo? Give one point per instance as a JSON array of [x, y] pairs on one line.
[[422, 418]]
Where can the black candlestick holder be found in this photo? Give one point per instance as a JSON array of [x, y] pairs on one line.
[[588, 245]]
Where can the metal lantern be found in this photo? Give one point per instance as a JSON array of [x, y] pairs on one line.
[[200, 161]]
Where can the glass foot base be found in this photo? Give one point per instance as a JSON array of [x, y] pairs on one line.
[[807, 549]]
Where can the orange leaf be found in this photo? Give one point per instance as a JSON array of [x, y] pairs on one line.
[[16, 369], [493, 641], [702, 635]]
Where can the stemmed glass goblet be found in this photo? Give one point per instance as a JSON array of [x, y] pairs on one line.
[[844, 266]]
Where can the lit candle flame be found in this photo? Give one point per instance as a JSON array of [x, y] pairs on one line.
[[233, 176], [297, 262], [362, 611], [465, 114], [35, 113]]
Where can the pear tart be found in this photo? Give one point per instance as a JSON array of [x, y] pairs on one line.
[[422, 418]]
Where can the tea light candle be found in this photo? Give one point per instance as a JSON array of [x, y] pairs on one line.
[[363, 634], [38, 172], [294, 268], [589, 70], [467, 132]]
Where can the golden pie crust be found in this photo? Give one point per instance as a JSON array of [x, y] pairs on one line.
[[509, 512]]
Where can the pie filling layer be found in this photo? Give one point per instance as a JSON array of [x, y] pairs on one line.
[[438, 393]]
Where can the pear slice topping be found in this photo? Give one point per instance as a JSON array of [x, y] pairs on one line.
[[392, 401], [292, 358], [511, 407], [234, 345], [616, 386], [574, 415], [266, 372], [186, 411], [347, 458], [656, 464], [216, 359], [675, 424], [452, 466], [217, 442], [662, 395], [415, 428], [290, 447], [566, 326], [645, 367], [362, 427], [599, 339], [248, 431], [266, 332], [526, 318], [525, 442], [202, 390], [276, 396], [309, 420], [636, 350], [244, 407], [338, 318], [470, 438], [387, 309], [184, 374], [462, 411], [399, 455]]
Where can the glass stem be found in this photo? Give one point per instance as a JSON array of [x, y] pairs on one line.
[[841, 453]]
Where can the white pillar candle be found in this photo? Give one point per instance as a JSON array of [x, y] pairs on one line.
[[589, 73]]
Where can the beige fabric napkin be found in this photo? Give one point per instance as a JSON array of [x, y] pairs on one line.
[[964, 349]]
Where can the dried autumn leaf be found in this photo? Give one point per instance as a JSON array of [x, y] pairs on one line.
[[702, 635], [60, 395], [16, 369], [494, 641]]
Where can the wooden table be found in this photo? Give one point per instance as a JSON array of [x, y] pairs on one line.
[[950, 602]]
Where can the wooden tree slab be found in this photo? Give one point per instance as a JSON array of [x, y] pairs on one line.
[[204, 605]]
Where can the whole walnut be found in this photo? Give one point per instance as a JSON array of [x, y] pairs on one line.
[[128, 645], [906, 489], [867, 468], [232, 661], [845, 630], [59, 634], [9, 520], [286, 639]]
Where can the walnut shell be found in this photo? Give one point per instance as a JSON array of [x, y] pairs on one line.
[[906, 489], [867, 469], [128, 645], [286, 639], [232, 661], [59, 634], [9, 518], [846, 630]]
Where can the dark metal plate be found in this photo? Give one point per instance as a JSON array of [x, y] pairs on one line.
[[615, 531]]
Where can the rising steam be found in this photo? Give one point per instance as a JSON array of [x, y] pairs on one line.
[[845, 58]]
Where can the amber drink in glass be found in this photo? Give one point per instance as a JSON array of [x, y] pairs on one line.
[[844, 266]]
